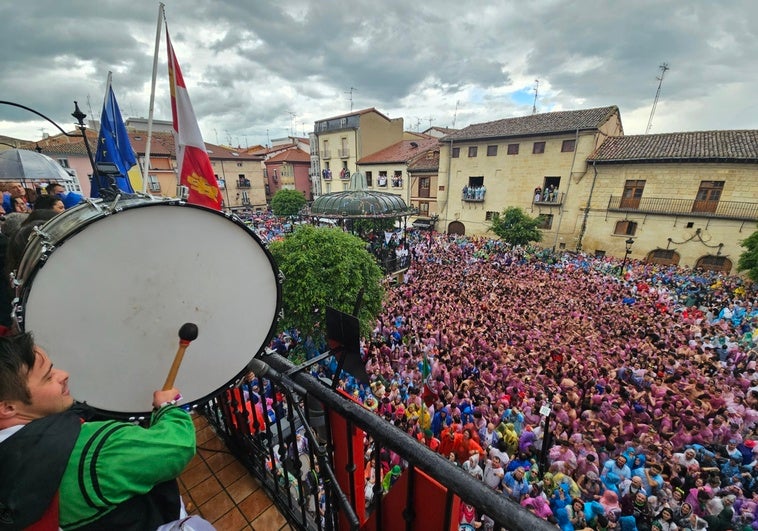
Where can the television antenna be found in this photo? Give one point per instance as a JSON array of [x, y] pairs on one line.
[[351, 96], [663, 67]]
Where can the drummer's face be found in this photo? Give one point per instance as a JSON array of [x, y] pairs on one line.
[[48, 387]]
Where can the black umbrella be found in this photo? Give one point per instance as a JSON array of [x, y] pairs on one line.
[[25, 165]]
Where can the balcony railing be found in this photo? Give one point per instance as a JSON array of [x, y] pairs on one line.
[[552, 200], [243, 185], [473, 194], [343, 153], [670, 206], [326, 153], [281, 439]]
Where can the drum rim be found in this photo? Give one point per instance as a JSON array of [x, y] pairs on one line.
[[23, 291]]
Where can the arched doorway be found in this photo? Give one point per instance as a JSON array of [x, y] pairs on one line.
[[714, 263], [663, 257], [457, 228]]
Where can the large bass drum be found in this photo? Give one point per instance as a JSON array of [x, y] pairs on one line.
[[105, 288]]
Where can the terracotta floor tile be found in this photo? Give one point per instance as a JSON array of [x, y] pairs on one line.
[[234, 520], [270, 519], [219, 460], [204, 435], [255, 504], [199, 421], [214, 443], [196, 460], [231, 473], [214, 481], [205, 491], [216, 507], [195, 476], [242, 488]]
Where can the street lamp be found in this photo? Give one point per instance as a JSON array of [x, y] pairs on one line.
[[78, 114], [629, 242]]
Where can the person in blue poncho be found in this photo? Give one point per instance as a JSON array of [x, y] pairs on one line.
[[70, 199]]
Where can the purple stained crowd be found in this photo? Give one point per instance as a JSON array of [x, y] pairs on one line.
[[645, 378]]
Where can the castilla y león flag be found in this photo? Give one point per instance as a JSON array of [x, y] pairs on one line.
[[195, 170]]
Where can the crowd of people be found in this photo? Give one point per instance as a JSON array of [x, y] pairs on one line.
[[594, 399]]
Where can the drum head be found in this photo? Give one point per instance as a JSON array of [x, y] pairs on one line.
[[108, 302]]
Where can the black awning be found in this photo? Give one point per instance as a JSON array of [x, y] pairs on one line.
[[423, 224]]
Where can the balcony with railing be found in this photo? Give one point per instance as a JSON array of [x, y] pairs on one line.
[[243, 184], [343, 153], [670, 206], [326, 154], [554, 199], [473, 194]]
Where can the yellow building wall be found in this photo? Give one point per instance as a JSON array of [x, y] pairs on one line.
[[230, 170], [510, 180], [374, 133], [676, 181]]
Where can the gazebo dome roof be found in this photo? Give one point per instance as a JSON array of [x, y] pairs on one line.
[[357, 202]]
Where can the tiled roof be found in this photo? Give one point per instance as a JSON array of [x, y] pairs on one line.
[[354, 113], [429, 161], [291, 155], [536, 124], [224, 152], [694, 146], [160, 143], [402, 151]]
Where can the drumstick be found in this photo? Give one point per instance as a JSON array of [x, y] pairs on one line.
[[187, 334]]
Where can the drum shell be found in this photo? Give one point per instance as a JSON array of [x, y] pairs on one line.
[[105, 290]]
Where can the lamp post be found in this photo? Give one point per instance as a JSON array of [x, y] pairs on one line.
[[78, 114], [629, 242]]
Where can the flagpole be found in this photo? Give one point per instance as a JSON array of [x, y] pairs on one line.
[[96, 175], [146, 164]]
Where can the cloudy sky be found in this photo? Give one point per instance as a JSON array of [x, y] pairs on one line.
[[259, 70]]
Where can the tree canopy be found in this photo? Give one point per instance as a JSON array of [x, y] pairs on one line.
[[287, 202], [514, 226], [749, 259], [326, 267]]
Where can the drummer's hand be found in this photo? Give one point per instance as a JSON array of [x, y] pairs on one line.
[[162, 397]]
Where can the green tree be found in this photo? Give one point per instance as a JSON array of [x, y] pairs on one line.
[[326, 267], [749, 259], [514, 226], [287, 202]]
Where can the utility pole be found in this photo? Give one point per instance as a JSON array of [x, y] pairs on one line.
[[351, 96], [536, 91], [663, 67]]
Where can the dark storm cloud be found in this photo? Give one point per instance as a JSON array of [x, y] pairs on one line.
[[251, 65]]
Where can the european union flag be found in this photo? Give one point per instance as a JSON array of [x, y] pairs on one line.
[[113, 147]]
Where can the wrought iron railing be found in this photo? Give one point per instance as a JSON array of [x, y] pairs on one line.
[[473, 195], [270, 441], [550, 200], [736, 210]]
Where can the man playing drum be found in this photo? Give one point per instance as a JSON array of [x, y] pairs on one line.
[[105, 474]]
